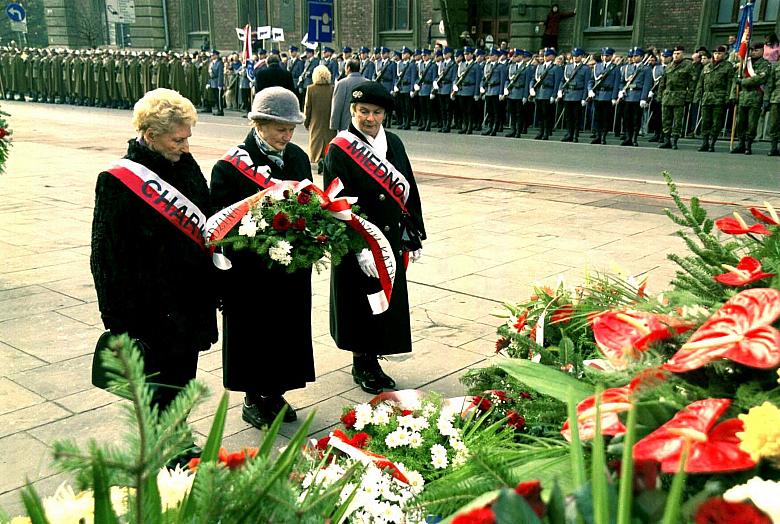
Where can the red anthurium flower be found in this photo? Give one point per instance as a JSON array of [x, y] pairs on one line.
[[531, 491], [740, 331], [515, 420], [738, 226], [715, 510], [482, 403], [771, 219], [476, 516], [562, 315], [623, 335], [748, 270], [710, 450]]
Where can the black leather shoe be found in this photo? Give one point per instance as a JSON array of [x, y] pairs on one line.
[[368, 381], [261, 411], [369, 375]]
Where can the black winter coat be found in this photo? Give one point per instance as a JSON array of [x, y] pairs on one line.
[[273, 75], [266, 331], [152, 281], [352, 324]]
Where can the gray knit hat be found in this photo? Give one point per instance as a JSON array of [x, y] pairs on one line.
[[278, 104]]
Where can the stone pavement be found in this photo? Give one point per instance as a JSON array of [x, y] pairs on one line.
[[493, 233]]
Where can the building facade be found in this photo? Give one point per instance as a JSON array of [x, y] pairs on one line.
[[203, 24]]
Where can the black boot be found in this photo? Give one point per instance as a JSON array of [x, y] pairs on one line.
[[604, 138], [749, 147], [567, 138], [540, 136], [712, 145], [513, 133], [667, 142], [596, 139], [261, 410], [626, 141], [635, 142], [674, 143], [368, 374], [773, 151], [705, 144], [740, 149]]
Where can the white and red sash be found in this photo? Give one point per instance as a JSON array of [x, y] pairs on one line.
[[163, 197], [380, 169], [240, 159]]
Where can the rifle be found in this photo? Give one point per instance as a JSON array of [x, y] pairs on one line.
[[400, 77], [487, 78], [540, 81], [380, 74], [603, 76], [461, 78], [302, 78], [431, 63], [639, 68], [444, 73], [512, 81], [574, 74]]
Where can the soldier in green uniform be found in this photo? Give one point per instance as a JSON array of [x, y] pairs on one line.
[[176, 68], [67, 79], [772, 104], [122, 88], [18, 80], [676, 91], [751, 96], [162, 71], [187, 77], [4, 61], [34, 75], [203, 83], [46, 92], [77, 80], [712, 94], [57, 86], [134, 79], [99, 77], [87, 79], [145, 65]]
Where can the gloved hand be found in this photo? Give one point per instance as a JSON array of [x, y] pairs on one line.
[[643, 104], [525, 100], [650, 94], [395, 89], [366, 262], [476, 98], [591, 94], [560, 94], [416, 87], [455, 88], [583, 103], [412, 93], [415, 255], [433, 96], [506, 91], [482, 90], [435, 85], [532, 92], [552, 99], [501, 97], [614, 102], [621, 94]]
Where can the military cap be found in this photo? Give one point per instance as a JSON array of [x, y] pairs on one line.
[[550, 51], [346, 49], [607, 51], [719, 49], [577, 51], [438, 53], [214, 52], [274, 51], [679, 48], [468, 50], [638, 51], [447, 50], [328, 49], [495, 52], [385, 50], [405, 49], [666, 53], [397, 53], [503, 52], [517, 51], [372, 93], [377, 50], [309, 50], [479, 52], [293, 49], [417, 52], [364, 49], [459, 52], [262, 52], [426, 52]]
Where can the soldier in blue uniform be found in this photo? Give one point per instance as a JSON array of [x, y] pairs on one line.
[[216, 82], [457, 117], [574, 94], [331, 63], [544, 85], [515, 90], [424, 87], [304, 79], [406, 77], [465, 90], [493, 81], [385, 71], [603, 89], [479, 103], [448, 72], [637, 81], [367, 66]]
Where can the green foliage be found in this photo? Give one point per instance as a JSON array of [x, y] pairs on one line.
[[545, 380]]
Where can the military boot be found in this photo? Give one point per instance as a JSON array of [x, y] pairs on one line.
[[674, 143], [773, 151], [656, 137], [627, 140], [635, 141], [705, 144], [604, 138], [712, 144], [514, 131], [596, 138], [667, 142], [740, 148], [749, 147]]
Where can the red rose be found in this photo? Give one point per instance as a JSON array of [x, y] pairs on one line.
[[3, 132], [531, 491], [715, 510], [502, 343], [321, 238], [304, 198], [482, 403], [299, 224], [280, 222], [476, 516], [516, 420], [348, 419]]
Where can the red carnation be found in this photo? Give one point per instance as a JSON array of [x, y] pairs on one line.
[[304, 198], [516, 420], [321, 238], [3, 132], [482, 403], [280, 222], [299, 224], [322, 444], [715, 510], [476, 516], [531, 491], [502, 343], [359, 440], [349, 419]]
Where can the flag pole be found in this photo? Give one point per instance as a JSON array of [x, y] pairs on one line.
[[736, 106], [747, 25]]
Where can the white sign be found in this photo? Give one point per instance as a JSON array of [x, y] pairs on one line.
[[264, 32], [277, 34], [305, 42], [19, 27], [127, 11]]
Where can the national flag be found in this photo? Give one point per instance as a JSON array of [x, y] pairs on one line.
[[745, 31], [246, 53]]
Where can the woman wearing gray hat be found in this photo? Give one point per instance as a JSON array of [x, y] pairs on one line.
[[373, 166], [266, 336]]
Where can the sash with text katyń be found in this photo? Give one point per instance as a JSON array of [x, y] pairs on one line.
[[222, 222], [380, 169], [163, 197]]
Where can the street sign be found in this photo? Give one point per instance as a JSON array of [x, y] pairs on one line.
[[321, 21], [19, 27], [15, 12], [126, 10]]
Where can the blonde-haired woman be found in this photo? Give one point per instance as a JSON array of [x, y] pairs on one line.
[[151, 269], [319, 97]]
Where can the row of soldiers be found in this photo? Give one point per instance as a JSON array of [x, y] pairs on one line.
[[100, 78], [467, 88]]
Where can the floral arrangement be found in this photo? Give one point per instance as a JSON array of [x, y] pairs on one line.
[[5, 140], [291, 229]]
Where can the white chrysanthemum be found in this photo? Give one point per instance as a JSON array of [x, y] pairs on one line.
[[765, 494], [364, 415], [396, 438], [428, 410], [457, 444], [280, 252], [439, 462], [404, 421], [382, 414], [438, 450], [445, 427], [262, 225], [416, 481], [415, 440], [414, 404], [174, 484], [460, 458], [248, 227], [419, 424]]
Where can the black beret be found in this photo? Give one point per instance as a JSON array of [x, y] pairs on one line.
[[719, 49], [679, 48], [372, 93]]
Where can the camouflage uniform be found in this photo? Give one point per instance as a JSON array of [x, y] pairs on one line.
[[712, 93], [751, 98], [773, 94], [675, 88]]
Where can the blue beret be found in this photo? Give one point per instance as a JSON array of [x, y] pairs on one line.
[[328, 49], [607, 51], [667, 53], [364, 49], [293, 49], [549, 51], [638, 51], [495, 52], [479, 52], [447, 50], [459, 52], [439, 53], [577, 52], [426, 52], [468, 50], [347, 50]]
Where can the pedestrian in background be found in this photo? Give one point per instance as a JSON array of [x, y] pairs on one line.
[[339, 113], [273, 75], [317, 109], [552, 26]]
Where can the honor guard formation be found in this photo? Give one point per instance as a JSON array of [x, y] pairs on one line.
[[661, 95]]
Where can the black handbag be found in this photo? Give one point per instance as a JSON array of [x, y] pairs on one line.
[[100, 377], [410, 237]]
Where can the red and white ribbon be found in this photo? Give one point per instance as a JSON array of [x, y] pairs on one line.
[[338, 441]]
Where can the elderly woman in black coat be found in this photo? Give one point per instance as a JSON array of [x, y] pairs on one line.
[[354, 324], [266, 337], [153, 273]]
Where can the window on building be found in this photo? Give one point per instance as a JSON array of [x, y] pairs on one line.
[[196, 12], [252, 12], [396, 15], [763, 11], [612, 13]]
